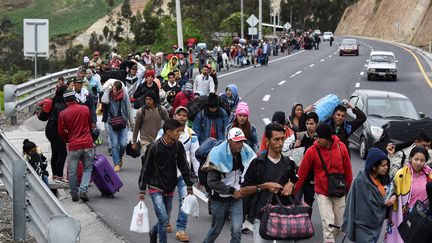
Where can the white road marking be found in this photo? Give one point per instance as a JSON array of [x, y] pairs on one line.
[[266, 121], [272, 88], [311, 65], [330, 56], [357, 85], [262, 108], [322, 60], [365, 65], [266, 97], [292, 76], [244, 69], [298, 72], [361, 73], [282, 82]]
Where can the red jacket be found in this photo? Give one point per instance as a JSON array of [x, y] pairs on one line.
[[336, 159], [181, 99], [74, 125]]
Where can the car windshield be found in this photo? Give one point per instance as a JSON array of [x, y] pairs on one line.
[[349, 42], [391, 108], [327, 33], [382, 58]]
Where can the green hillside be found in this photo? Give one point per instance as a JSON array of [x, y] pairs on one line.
[[65, 16]]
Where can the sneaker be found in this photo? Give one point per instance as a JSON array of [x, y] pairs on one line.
[[245, 230], [169, 228], [153, 236], [182, 236], [75, 198], [117, 168], [83, 196]]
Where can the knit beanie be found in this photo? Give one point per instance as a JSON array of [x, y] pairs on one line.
[[324, 131], [28, 146], [242, 108], [279, 117], [213, 100], [150, 73]]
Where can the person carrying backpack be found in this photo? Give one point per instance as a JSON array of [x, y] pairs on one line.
[[224, 165], [159, 175], [36, 159], [148, 120]]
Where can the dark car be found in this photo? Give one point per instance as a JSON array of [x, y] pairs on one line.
[[349, 46], [380, 107]]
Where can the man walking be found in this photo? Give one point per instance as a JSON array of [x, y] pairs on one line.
[[159, 174], [204, 83], [74, 125], [225, 164], [190, 142], [328, 155]]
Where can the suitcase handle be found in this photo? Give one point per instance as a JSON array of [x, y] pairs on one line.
[[108, 178]]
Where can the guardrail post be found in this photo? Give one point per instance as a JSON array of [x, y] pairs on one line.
[[19, 200], [10, 102]]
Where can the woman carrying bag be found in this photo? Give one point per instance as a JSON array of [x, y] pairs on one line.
[[409, 186], [119, 114]]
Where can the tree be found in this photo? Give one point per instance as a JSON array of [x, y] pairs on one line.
[[105, 33], [232, 23], [126, 11], [73, 56]]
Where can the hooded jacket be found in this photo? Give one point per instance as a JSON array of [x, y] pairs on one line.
[[336, 159], [169, 67], [365, 209], [234, 99]]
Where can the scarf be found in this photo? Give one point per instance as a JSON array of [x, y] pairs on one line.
[[222, 158], [118, 96]]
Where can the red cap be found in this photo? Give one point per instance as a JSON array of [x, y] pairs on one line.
[[150, 73]]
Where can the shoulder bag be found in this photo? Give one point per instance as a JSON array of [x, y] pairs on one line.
[[336, 181]]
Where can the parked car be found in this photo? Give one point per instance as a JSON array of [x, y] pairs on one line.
[[327, 36], [317, 32], [380, 107], [349, 46], [382, 64]]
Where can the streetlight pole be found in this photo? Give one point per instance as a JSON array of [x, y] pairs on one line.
[[179, 26], [260, 20], [241, 19]]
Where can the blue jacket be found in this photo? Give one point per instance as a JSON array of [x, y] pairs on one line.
[[202, 125]]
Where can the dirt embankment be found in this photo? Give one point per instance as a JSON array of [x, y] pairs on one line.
[[397, 20]]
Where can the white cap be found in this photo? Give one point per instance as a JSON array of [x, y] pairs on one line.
[[236, 134]]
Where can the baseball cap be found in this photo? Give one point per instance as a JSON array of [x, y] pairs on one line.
[[236, 134], [180, 108]]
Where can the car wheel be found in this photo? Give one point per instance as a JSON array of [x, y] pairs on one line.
[[357, 53], [340, 54], [394, 78], [363, 148], [369, 77]]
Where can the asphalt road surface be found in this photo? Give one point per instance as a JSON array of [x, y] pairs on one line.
[[303, 77]]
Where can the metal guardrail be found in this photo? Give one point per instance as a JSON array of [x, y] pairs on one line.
[[26, 95], [33, 203]]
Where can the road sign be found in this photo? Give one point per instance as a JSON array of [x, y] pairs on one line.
[[252, 20], [252, 31], [36, 37], [287, 26]]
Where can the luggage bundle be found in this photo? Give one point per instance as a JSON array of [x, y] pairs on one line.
[[325, 106], [402, 133]]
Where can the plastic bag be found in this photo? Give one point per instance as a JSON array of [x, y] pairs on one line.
[[190, 205], [140, 220]]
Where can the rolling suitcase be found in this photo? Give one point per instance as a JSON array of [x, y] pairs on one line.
[[104, 177]]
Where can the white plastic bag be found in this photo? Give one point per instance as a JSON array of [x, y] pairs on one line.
[[190, 206], [140, 219]]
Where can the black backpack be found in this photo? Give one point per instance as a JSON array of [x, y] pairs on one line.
[[196, 106]]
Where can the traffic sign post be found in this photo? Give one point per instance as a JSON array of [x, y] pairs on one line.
[[252, 21], [287, 26], [36, 39]]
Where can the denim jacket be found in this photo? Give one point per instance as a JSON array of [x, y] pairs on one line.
[[202, 125]]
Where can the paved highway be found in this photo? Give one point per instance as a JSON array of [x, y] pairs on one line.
[[302, 77]]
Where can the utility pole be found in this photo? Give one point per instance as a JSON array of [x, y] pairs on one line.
[[179, 26], [241, 19], [260, 20]]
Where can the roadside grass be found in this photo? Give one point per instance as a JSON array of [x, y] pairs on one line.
[[1, 101], [65, 16]]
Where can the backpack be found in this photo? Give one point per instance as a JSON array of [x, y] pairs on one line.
[[43, 109], [143, 113], [201, 155], [196, 106]]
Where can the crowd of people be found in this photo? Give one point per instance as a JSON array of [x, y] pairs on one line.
[[154, 96]]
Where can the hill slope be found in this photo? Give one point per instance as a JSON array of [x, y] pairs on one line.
[[65, 16], [399, 20]]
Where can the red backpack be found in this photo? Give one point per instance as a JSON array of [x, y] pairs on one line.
[[43, 109]]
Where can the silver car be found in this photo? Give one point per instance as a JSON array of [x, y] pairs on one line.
[[382, 65]]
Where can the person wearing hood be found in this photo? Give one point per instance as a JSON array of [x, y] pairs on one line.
[[142, 89], [58, 146], [409, 186], [211, 121], [327, 150], [231, 97], [169, 67], [94, 85], [363, 219]]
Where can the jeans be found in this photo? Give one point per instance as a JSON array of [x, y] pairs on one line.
[[220, 212], [118, 143], [162, 204], [259, 239], [182, 217], [107, 134], [190, 70], [87, 157]]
